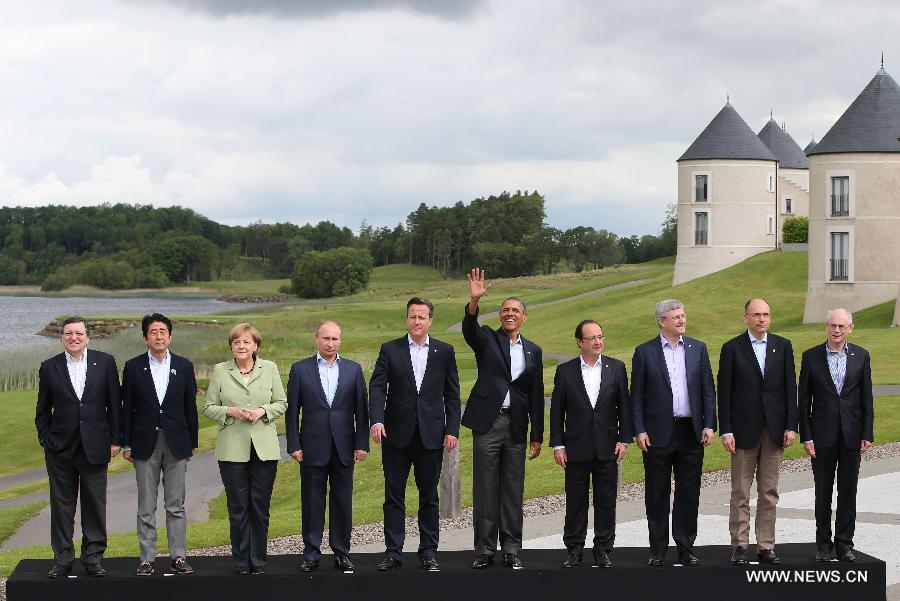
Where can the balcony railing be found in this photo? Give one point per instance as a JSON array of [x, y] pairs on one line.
[[840, 270], [840, 205]]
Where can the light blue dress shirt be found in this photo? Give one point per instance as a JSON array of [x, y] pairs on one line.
[[759, 349], [328, 376]]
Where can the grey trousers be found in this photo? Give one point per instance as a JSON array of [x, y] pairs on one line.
[[498, 487], [147, 473]]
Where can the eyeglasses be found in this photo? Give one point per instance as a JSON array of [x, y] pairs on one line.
[[758, 315], [591, 339], [840, 326]]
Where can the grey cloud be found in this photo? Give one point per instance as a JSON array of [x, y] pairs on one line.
[[311, 9]]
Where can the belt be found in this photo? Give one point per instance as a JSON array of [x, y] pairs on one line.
[[679, 419], [504, 411]]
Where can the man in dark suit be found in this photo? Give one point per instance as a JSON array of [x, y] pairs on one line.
[[673, 402], [589, 431], [757, 420], [836, 427], [330, 392], [78, 419], [508, 394], [159, 394], [414, 408]]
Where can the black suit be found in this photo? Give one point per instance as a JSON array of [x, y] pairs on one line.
[[757, 408], [328, 435], [415, 423], [674, 443], [589, 435], [76, 435], [837, 423], [499, 438], [145, 416]]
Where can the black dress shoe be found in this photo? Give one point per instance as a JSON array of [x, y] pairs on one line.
[[59, 571], [145, 569], [601, 560], [655, 561], [343, 563], [95, 569], [688, 560], [180, 565], [257, 571], [389, 564], [512, 561], [308, 565], [482, 561], [574, 559], [768, 556], [241, 570], [847, 556], [825, 555], [738, 556]]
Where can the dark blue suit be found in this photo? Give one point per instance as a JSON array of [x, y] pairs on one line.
[[327, 435], [674, 445]]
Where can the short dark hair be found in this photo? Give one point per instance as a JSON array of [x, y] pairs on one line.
[[150, 318], [418, 300], [747, 304], [518, 300], [579, 329], [76, 319]]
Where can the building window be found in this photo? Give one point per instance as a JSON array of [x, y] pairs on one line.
[[840, 256], [840, 196], [701, 188], [787, 205], [771, 185], [770, 225], [701, 229]]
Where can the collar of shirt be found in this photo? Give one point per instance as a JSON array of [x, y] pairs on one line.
[[413, 342], [71, 359], [166, 360], [320, 360], [518, 341], [843, 351], [665, 342], [753, 339], [584, 364]]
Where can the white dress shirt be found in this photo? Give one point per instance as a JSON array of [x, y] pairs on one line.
[[159, 370], [77, 372], [516, 363], [418, 355]]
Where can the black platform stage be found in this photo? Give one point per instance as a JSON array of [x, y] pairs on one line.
[[798, 577]]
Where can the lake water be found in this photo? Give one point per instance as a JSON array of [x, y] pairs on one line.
[[22, 317]]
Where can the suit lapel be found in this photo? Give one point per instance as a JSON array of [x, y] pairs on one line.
[[747, 348], [343, 376], [823, 362], [773, 353], [148, 377], [63, 369], [606, 376], [312, 370], [657, 352], [503, 343], [580, 387], [406, 360]]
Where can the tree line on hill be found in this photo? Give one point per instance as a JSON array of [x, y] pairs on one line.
[[138, 246]]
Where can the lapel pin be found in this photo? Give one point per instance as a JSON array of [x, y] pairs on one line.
[[146, 368], [95, 365], [174, 373], [689, 346]]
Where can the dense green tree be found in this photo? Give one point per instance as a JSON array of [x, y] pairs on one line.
[[318, 273]]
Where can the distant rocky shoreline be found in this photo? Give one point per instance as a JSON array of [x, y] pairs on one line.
[[253, 298], [104, 328]]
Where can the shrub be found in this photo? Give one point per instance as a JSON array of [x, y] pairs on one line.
[[339, 271], [795, 230], [56, 281]]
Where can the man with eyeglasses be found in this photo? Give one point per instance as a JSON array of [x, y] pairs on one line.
[[589, 431], [673, 403], [836, 427], [758, 420], [78, 420]]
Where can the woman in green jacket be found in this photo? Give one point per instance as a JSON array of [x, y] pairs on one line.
[[245, 397]]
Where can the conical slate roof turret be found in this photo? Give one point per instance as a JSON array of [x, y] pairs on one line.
[[870, 124], [809, 147], [783, 146], [728, 137]]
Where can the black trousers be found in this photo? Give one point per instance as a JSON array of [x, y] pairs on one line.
[[845, 462], [66, 477], [683, 456], [426, 465], [248, 491], [498, 487], [336, 480], [580, 475]]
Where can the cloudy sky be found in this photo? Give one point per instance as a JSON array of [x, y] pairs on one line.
[[304, 110]]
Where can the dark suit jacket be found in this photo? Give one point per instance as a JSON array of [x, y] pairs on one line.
[[651, 391], [825, 415], [526, 393], [748, 398], [394, 401], [589, 433], [144, 415], [63, 421], [344, 423]]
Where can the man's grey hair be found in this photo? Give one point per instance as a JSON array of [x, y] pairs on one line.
[[664, 306], [831, 312]]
